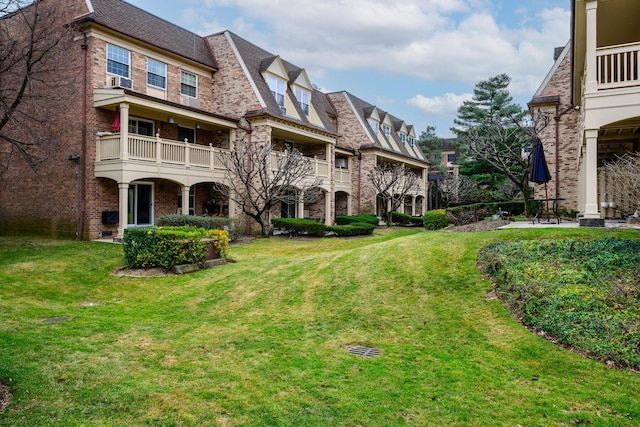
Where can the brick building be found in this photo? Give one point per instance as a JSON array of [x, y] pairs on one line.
[[149, 108]]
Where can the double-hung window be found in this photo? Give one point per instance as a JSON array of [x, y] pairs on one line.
[[118, 61], [189, 84], [386, 130], [278, 88], [141, 126], [403, 138], [374, 126], [156, 73], [303, 96]]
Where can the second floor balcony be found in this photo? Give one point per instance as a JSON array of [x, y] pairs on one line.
[[617, 66]]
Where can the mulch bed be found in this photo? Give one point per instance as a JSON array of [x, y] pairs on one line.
[[5, 396]]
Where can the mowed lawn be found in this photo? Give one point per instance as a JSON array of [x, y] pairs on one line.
[[262, 342]]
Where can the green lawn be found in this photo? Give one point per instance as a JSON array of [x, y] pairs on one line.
[[262, 342]]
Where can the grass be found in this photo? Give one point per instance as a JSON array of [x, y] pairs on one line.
[[262, 342]]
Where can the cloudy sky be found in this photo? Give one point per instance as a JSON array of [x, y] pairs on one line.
[[417, 59]]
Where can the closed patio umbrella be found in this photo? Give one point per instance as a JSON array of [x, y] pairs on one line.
[[539, 170]]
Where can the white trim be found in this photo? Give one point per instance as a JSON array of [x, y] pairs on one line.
[[89, 6], [245, 70]]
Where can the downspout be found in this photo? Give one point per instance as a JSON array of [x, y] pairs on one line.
[[249, 130], [359, 182], [83, 155], [557, 154]]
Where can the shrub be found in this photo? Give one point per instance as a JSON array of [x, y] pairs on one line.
[[353, 229], [299, 226], [406, 220], [435, 219], [206, 222], [349, 219], [166, 247]]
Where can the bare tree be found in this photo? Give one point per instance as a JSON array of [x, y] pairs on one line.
[[393, 182], [624, 178], [458, 189], [32, 43], [258, 178]]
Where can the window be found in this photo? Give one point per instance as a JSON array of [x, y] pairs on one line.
[[189, 84], [186, 133], [403, 138], [374, 126], [277, 87], [141, 127], [303, 96], [451, 158], [386, 130], [118, 61], [412, 141], [156, 73]]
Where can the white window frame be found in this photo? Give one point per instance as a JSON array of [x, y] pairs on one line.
[[304, 98], [116, 56], [278, 88], [386, 130], [184, 73], [137, 120], [162, 67], [374, 126], [403, 138]]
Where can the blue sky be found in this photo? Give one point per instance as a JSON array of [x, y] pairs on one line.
[[417, 59]]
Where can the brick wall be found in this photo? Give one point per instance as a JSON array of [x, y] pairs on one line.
[[565, 165]]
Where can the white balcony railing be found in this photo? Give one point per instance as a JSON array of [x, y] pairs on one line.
[[320, 167], [159, 150], [618, 66], [342, 176]]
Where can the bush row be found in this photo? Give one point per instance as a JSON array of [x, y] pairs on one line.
[[166, 247], [435, 219], [406, 220], [307, 227], [349, 219]]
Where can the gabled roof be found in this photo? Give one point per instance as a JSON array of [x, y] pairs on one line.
[[364, 110], [258, 60], [138, 24]]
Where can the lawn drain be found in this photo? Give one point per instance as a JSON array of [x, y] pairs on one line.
[[56, 319], [359, 350]]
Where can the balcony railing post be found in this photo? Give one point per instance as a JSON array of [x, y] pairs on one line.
[[187, 151], [212, 157], [158, 149]]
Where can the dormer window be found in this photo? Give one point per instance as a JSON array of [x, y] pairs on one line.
[[403, 138], [303, 97], [278, 88], [374, 126], [412, 141]]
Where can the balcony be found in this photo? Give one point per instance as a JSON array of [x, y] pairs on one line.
[[617, 66], [154, 157]]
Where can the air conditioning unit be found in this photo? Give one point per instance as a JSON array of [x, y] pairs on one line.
[[189, 101], [120, 82]]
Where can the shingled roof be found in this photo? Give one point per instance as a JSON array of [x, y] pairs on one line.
[[134, 22], [364, 110], [257, 60]]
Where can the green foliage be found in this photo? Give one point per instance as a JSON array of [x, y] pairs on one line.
[[146, 247], [206, 222], [435, 219], [406, 220], [300, 226], [368, 218], [583, 293], [352, 229], [432, 146]]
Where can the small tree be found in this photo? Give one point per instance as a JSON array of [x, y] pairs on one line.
[[258, 178], [33, 41], [458, 189], [393, 183], [431, 146], [624, 176]]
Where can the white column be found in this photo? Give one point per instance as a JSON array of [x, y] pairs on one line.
[[123, 208], [349, 202], [185, 199], [328, 215], [413, 205], [124, 131], [590, 166], [300, 208], [591, 78]]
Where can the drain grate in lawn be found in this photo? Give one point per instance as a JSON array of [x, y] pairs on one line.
[[359, 350]]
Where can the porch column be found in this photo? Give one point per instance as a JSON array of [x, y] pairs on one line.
[[591, 175], [413, 205], [232, 137], [591, 78], [123, 208], [300, 205], [328, 217], [349, 202], [185, 199], [124, 131]]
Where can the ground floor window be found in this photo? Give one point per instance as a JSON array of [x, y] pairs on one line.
[[140, 204]]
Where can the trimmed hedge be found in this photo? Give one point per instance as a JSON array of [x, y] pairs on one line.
[[206, 222], [299, 226], [146, 247], [350, 219], [406, 220], [435, 219], [353, 229]]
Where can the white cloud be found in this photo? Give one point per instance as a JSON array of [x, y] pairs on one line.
[[439, 106]]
